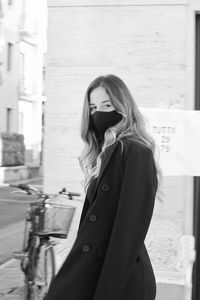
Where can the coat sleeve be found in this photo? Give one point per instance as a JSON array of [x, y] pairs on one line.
[[133, 216]]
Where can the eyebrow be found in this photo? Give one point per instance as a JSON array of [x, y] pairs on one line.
[[102, 102]]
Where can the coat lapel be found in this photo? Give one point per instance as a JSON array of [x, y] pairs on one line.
[[105, 160]]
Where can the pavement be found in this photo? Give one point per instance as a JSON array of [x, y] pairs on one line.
[[11, 281], [11, 239]]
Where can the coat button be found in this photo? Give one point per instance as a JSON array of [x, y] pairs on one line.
[[138, 258], [85, 248], [105, 187], [92, 218]]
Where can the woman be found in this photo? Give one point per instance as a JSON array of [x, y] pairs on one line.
[[109, 260]]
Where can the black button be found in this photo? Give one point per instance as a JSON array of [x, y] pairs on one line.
[[105, 187], [85, 248], [92, 218], [138, 258]]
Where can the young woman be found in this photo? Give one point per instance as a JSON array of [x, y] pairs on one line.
[[109, 260]]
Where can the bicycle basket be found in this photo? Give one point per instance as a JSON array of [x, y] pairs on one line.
[[55, 218]]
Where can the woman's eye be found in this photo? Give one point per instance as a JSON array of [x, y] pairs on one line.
[[93, 108]]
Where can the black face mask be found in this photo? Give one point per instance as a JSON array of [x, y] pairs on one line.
[[102, 120]]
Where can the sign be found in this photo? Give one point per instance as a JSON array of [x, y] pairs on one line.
[[177, 136]]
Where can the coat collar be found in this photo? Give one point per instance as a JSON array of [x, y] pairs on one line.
[[105, 160]]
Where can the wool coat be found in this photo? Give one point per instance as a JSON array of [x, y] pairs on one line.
[[109, 260]]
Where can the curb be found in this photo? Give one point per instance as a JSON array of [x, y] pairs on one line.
[[26, 180], [7, 263]]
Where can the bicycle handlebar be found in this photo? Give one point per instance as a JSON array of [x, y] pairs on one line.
[[29, 189], [64, 191]]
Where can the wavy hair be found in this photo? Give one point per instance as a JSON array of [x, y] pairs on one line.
[[132, 126]]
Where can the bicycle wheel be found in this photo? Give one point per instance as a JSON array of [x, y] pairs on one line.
[[27, 229], [49, 266], [45, 271], [40, 271], [26, 237], [30, 292]]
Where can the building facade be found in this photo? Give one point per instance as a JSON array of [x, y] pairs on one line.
[[1, 41], [151, 45], [21, 92]]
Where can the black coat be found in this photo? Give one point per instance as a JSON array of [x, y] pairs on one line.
[[109, 260]]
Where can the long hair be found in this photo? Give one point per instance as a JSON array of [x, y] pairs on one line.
[[132, 125]]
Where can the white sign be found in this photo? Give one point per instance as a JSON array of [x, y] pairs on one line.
[[177, 135]]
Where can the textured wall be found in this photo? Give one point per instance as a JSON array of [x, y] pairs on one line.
[[144, 45]]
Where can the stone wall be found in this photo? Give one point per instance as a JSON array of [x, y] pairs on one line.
[[142, 44]]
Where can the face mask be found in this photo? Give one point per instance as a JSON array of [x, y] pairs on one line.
[[102, 120]]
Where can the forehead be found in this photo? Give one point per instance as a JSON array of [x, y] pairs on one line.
[[98, 95]]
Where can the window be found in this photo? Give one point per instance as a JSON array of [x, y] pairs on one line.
[[21, 71], [8, 119], [10, 57]]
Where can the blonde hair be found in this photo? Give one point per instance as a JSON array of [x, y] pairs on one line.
[[132, 125]]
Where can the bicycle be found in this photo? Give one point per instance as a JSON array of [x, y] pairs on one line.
[[37, 258]]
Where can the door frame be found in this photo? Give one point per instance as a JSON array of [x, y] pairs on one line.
[[196, 181]]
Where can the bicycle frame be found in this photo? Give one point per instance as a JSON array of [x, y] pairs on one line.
[[37, 256]]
